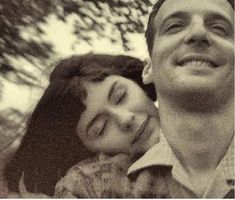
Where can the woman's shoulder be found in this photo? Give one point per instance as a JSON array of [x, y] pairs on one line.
[[94, 177]]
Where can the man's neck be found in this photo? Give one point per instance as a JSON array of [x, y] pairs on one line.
[[198, 139]]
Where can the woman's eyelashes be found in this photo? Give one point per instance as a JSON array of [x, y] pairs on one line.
[[119, 94], [98, 127]]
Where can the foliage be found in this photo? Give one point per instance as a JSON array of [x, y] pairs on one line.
[[91, 17], [11, 126], [15, 16]]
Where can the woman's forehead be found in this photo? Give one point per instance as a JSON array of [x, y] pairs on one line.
[[98, 92]]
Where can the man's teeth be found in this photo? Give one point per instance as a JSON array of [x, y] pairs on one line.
[[197, 63]]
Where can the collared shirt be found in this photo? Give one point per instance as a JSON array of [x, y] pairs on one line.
[[220, 185]]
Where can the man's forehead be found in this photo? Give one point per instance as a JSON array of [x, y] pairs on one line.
[[169, 7], [159, 3]]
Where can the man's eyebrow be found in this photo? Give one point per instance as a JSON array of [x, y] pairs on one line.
[[112, 89], [179, 14]]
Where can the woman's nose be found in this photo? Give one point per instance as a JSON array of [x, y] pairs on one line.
[[198, 33], [124, 118]]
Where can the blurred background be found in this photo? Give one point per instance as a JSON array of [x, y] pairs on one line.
[[35, 34]]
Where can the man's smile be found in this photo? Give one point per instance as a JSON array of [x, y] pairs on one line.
[[197, 61]]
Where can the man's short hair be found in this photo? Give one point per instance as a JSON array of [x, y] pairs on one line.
[[150, 32]]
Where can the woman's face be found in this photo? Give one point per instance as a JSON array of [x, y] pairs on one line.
[[119, 117]]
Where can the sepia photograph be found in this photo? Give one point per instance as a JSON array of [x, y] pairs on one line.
[[117, 99]]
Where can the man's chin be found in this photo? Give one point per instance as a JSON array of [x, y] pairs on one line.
[[197, 83], [192, 87]]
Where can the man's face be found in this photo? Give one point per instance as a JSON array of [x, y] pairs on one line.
[[193, 47]]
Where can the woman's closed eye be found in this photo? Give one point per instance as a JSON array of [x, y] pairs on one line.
[[119, 94], [98, 127]]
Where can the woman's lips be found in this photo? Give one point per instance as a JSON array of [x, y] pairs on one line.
[[141, 130]]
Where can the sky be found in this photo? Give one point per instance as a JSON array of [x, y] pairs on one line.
[[60, 34]]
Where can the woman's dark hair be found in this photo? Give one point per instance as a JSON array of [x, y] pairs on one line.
[[50, 145]]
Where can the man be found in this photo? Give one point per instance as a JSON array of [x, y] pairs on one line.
[[190, 43]]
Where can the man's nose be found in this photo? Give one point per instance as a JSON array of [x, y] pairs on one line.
[[198, 33], [124, 118]]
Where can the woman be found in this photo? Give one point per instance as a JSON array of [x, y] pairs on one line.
[[66, 113]]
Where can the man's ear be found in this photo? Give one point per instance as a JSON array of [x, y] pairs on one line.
[[147, 74]]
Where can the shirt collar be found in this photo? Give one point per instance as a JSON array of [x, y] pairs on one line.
[[227, 163], [162, 154], [224, 175], [159, 154]]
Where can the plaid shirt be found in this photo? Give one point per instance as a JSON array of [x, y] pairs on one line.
[[178, 183]]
